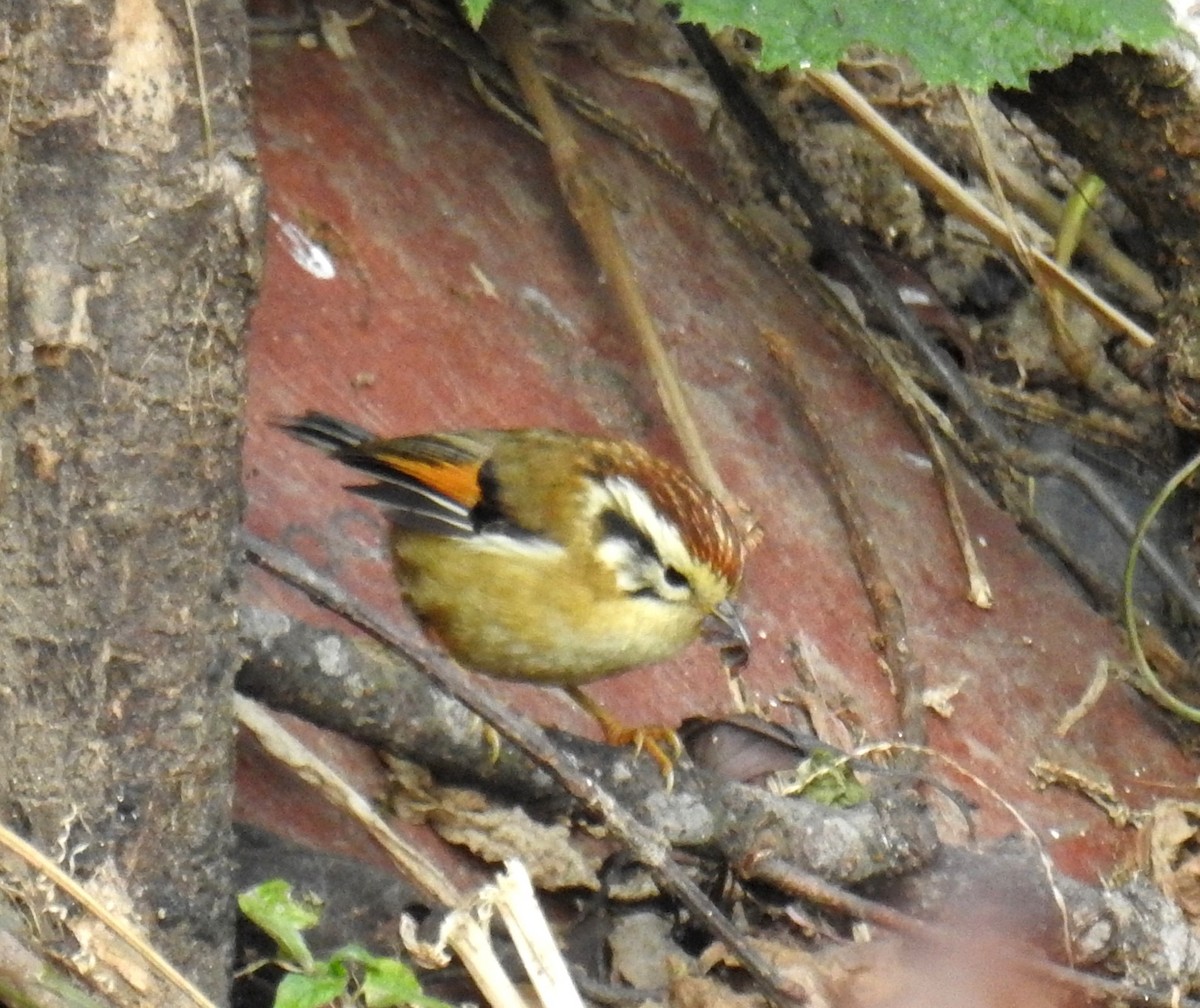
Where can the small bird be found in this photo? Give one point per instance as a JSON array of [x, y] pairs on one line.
[[548, 557]]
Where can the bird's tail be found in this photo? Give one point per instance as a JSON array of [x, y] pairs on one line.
[[326, 432]]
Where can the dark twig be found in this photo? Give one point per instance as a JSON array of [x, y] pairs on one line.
[[832, 235], [908, 676]]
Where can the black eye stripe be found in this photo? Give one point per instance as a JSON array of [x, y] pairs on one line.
[[617, 526]]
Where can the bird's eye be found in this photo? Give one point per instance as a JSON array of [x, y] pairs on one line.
[[674, 578]]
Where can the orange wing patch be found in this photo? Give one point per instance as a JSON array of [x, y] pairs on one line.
[[457, 480]]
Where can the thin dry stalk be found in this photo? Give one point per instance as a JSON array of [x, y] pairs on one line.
[[956, 200], [592, 212], [908, 677], [126, 930]]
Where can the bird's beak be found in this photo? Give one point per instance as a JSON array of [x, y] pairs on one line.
[[724, 627]]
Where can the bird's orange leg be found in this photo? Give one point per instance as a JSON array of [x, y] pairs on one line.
[[650, 738]]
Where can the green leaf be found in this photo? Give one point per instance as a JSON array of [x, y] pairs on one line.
[[273, 908], [475, 11], [320, 985], [827, 778], [975, 43], [389, 983], [352, 953]]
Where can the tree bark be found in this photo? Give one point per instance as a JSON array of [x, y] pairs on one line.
[[129, 251]]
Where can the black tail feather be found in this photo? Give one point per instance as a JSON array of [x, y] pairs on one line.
[[326, 432], [406, 501]]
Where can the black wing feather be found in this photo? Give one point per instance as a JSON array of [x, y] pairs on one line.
[[407, 502], [410, 505]]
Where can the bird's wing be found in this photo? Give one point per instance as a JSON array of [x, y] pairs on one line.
[[428, 483], [444, 484]]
